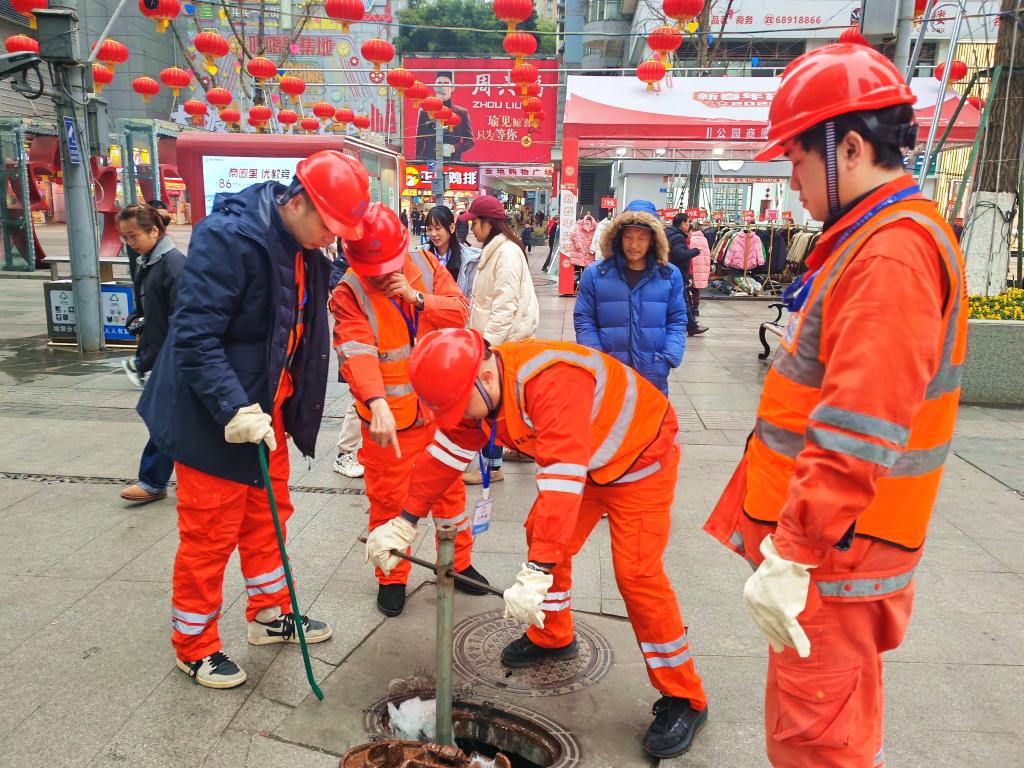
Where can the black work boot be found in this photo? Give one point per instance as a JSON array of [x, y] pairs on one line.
[[471, 573], [524, 652], [675, 724], [391, 599]]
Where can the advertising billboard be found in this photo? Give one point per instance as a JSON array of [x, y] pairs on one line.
[[233, 174], [493, 127]]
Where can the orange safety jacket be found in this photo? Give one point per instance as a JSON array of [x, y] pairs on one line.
[[585, 418], [375, 338], [811, 406]]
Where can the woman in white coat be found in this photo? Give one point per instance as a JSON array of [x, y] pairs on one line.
[[504, 304]]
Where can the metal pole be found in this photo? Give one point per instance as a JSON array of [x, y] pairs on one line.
[[439, 178], [26, 208], [919, 44], [445, 631], [904, 35], [950, 55]]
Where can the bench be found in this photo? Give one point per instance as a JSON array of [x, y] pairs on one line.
[[107, 265], [771, 326]]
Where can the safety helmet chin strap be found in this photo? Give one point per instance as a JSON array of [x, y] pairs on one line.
[[831, 169], [293, 189], [483, 393]]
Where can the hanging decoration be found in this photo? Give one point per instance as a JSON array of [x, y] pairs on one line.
[[532, 90], [377, 52], [261, 68], [957, 71], [161, 11], [452, 122], [146, 87], [287, 116], [219, 97], [196, 109], [400, 79], [664, 40], [977, 102], [293, 86], [533, 106], [444, 115], [345, 11], [261, 113], [853, 35], [432, 105], [682, 11], [520, 45], [175, 78], [344, 116], [21, 43], [309, 124], [112, 53], [101, 76], [323, 110], [651, 72], [212, 45], [513, 12], [417, 93], [362, 122], [522, 75], [28, 8], [231, 116]]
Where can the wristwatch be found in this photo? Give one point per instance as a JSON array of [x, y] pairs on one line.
[[420, 300]]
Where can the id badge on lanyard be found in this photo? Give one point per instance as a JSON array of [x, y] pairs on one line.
[[484, 506]]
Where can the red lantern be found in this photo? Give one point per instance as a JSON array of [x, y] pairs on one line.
[[520, 45], [163, 12], [27, 8], [21, 43], [513, 12], [919, 6], [523, 74], [261, 68], [219, 97], [377, 52], [255, 123], [977, 102], [432, 105], [112, 53], [344, 116], [212, 45], [231, 116], [443, 115], [309, 124], [957, 71], [146, 87], [362, 122], [101, 76], [682, 11], [197, 109], [400, 79], [293, 86], [650, 72], [853, 35], [323, 110], [417, 93], [287, 116], [532, 89], [664, 40], [346, 11], [452, 122], [175, 78], [533, 106], [260, 113]]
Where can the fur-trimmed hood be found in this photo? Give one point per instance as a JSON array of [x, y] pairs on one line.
[[635, 219]]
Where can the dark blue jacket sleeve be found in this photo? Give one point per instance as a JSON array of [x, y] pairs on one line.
[[675, 331], [584, 316], [209, 294]]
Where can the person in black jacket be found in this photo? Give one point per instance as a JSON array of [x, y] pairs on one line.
[[158, 266], [681, 254]]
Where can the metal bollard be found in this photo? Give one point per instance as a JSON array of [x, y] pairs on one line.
[[445, 631]]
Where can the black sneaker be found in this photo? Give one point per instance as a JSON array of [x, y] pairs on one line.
[[675, 724], [391, 599], [214, 671], [282, 630], [524, 652], [471, 573], [697, 331]]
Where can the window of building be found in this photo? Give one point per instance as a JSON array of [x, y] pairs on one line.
[[606, 10], [737, 57]]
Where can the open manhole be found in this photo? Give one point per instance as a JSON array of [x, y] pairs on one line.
[[527, 739], [478, 643]]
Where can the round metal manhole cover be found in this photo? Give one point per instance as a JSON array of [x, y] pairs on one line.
[[478, 643]]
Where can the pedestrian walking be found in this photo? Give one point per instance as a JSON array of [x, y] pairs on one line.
[[504, 306], [552, 236], [605, 442], [681, 254], [404, 218], [387, 302], [417, 221], [245, 364], [832, 499], [459, 259], [158, 267], [630, 304], [526, 235]]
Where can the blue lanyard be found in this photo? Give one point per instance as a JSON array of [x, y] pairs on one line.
[[795, 296], [412, 324], [485, 466]]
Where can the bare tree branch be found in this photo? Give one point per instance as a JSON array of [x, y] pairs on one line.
[[239, 37], [286, 50], [262, 26], [189, 58]]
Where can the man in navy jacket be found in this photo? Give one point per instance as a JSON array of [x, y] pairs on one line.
[[245, 363]]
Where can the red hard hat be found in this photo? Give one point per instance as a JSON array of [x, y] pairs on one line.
[[442, 370], [383, 245], [339, 187], [827, 82]]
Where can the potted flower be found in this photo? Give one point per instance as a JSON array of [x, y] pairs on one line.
[[994, 369]]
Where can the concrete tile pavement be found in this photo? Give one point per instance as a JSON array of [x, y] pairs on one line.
[[84, 648]]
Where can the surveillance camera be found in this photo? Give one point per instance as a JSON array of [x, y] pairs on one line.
[[12, 64]]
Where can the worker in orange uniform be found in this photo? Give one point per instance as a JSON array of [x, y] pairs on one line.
[[832, 499], [388, 300], [604, 440], [245, 364]]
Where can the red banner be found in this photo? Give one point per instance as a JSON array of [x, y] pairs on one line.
[[693, 213], [493, 127], [609, 202], [668, 213], [458, 178]]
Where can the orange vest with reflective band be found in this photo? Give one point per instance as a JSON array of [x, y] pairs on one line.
[[628, 410], [394, 338], [789, 412]]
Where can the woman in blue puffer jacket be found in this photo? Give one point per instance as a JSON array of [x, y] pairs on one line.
[[630, 305]]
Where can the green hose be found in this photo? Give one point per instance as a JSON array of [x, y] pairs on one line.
[[264, 451]]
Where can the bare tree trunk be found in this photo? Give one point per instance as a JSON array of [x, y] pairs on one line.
[[990, 217]]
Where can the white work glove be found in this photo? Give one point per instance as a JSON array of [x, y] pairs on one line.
[[250, 425], [775, 595], [523, 599], [398, 534]]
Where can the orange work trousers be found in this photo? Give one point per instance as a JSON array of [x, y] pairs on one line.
[[214, 517], [387, 488], [640, 519]]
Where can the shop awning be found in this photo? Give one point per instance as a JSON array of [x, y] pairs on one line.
[[708, 112]]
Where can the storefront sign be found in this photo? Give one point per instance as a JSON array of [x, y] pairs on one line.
[[459, 178], [518, 171], [233, 174], [787, 216], [609, 202], [718, 215], [748, 216]]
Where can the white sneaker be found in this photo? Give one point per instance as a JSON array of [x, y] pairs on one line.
[[282, 630], [214, 671], [136, 378], [347, 464]]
